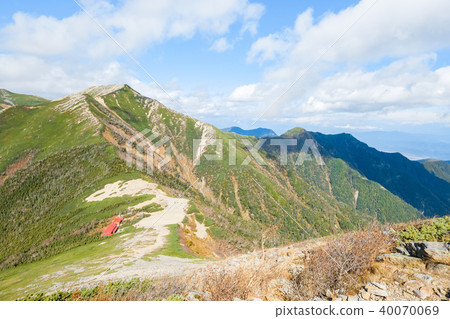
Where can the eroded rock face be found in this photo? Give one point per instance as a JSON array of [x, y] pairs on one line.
[[438, 252]]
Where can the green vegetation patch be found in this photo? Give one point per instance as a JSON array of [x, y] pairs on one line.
[[44, 129], [151, 208], [173, 247], [117, 290], [114, 289], [200, 217], [209, 222], [438, 230], [439, 169], [192, 209]]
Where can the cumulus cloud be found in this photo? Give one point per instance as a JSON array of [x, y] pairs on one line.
[[244, 93], [221, 45], [340, 85], [135, 23], [55, 79], [406, 83], [252, 14], [384, 68], [49, 56], [388, 28], [279, 44]]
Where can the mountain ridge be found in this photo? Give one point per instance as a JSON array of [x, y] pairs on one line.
[[9, 99], [438, 168], [240, 200], [371, 162]]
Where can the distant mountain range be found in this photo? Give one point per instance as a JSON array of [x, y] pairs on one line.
[[258, 132]]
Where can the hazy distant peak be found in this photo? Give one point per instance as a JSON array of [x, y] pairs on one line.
[[258, 132]]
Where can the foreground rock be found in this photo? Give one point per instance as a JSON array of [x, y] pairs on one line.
[[438, 252]]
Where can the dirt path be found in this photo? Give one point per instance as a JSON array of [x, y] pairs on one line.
[[134, 261], [155, 225]]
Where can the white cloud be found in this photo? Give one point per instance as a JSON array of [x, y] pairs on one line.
[[252, 14], [405, 83], [277, 45], [389, 28], [418, 116], [243, 93], [352, 127], [221, 45], [406, 92], [268, 48], [53, 79], [135, 23], [51, 57], [371, 120], [339, 88]]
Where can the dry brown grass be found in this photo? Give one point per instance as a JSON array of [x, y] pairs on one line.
[[223, 282], [339, 264], [226, 282], [189, 239]]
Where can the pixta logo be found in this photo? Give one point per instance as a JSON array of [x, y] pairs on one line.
[[148, 152], [308, 152]]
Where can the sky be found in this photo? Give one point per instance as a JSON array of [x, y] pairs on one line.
[[329, 66]]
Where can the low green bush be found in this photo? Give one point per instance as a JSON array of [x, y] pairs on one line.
[[438, 230], [200, 218], [192, 209], [153, 207]]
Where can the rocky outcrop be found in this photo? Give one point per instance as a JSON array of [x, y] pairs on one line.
[[438, 252]]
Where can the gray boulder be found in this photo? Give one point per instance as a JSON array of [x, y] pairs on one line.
[[438, 252]]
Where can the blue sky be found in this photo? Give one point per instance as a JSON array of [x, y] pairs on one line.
[[365, 65]]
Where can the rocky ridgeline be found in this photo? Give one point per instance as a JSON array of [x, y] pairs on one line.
[[414, 272]]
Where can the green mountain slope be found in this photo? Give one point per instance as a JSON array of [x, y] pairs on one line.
[[407, 179], [8, 98], [54, 154], [439, 169], [346, 185], [45, 130]]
